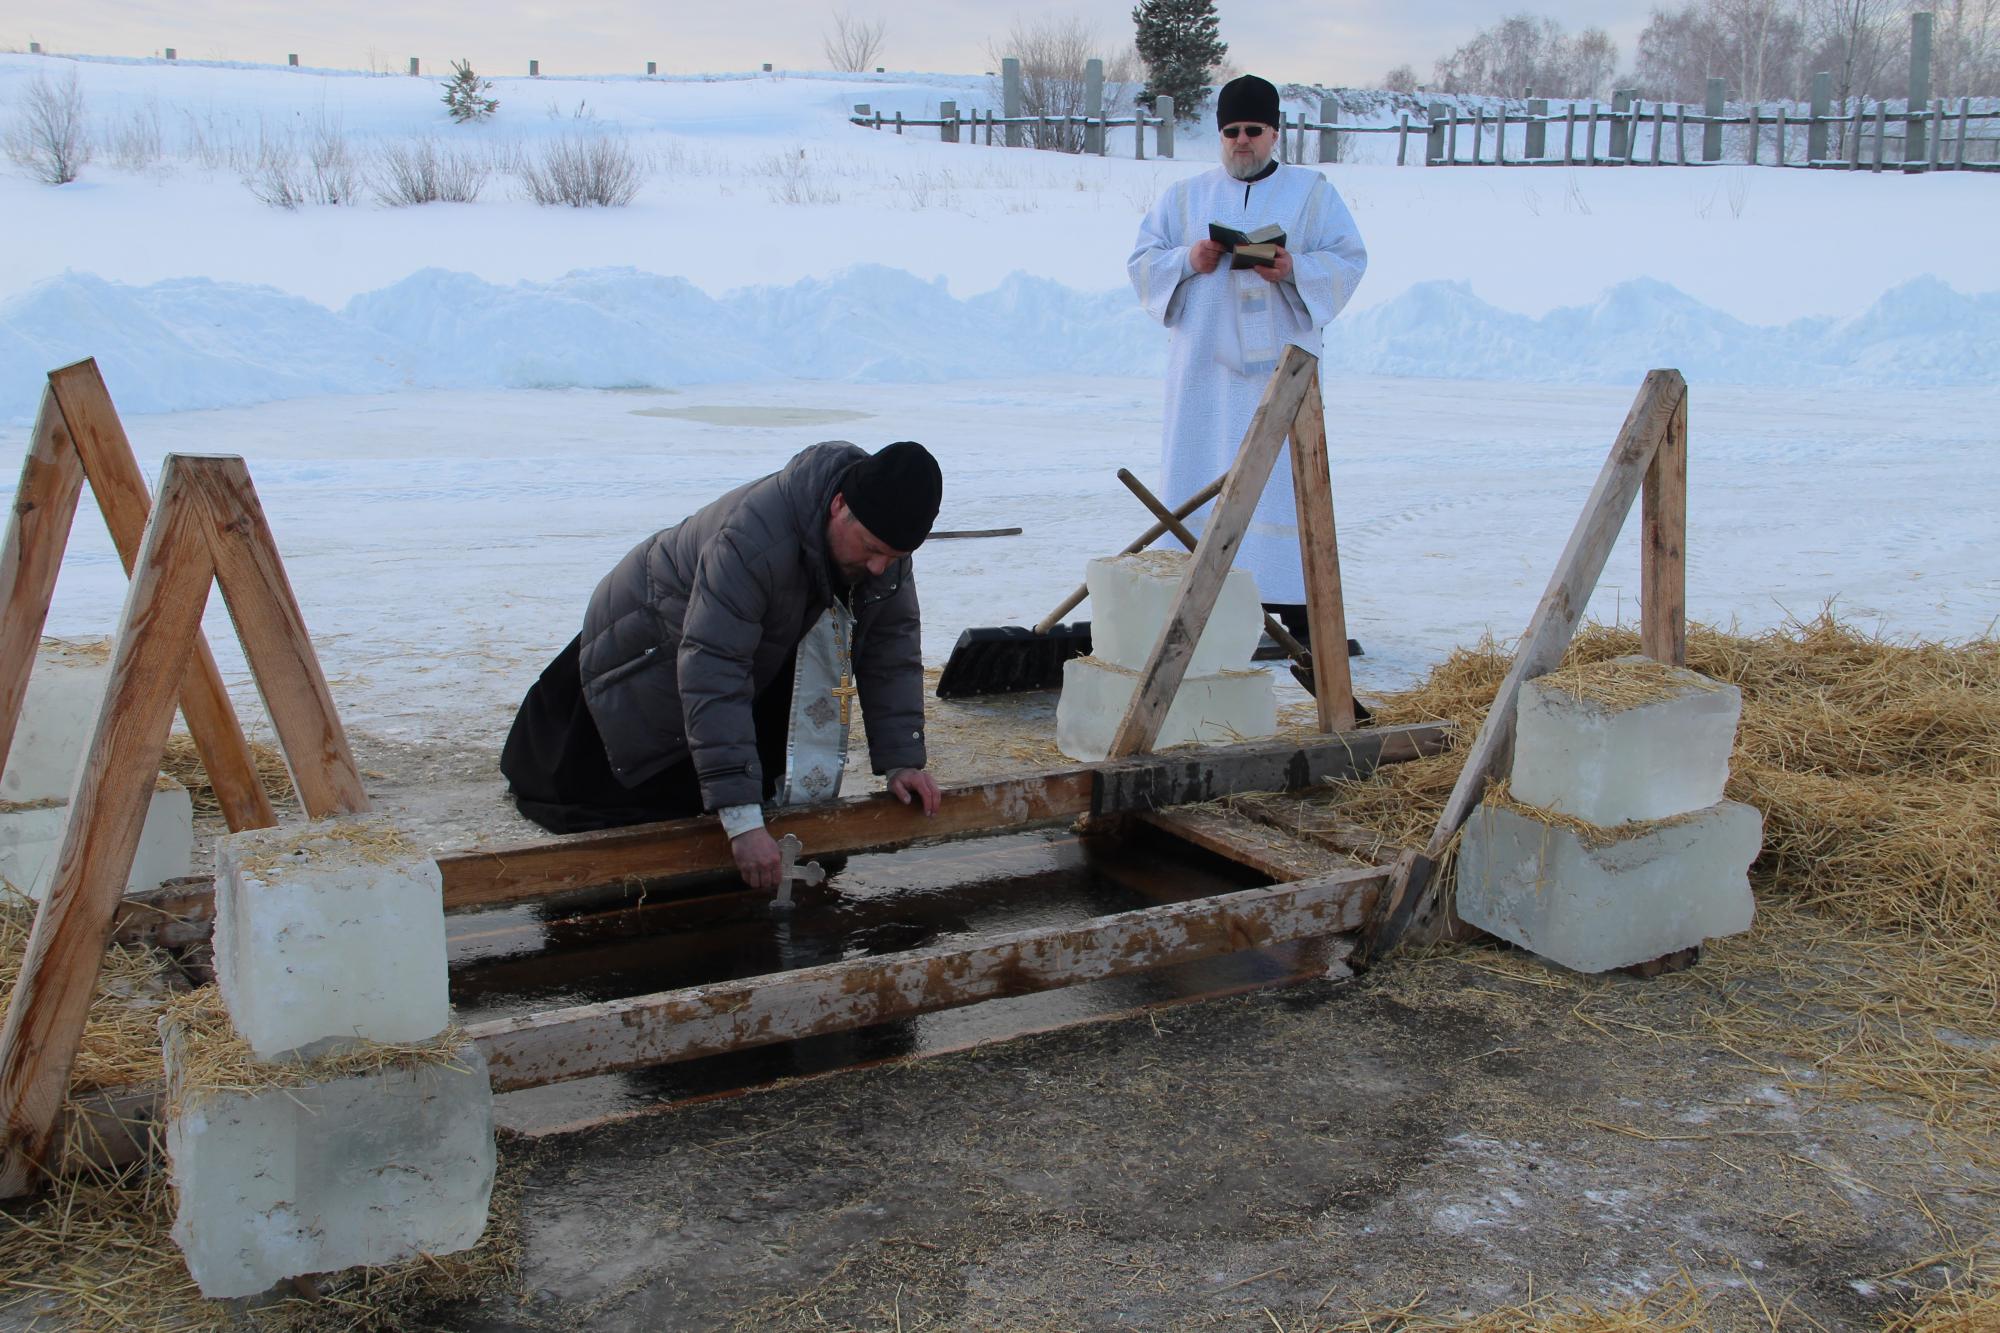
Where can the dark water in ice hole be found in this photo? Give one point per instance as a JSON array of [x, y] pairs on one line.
[[519, 960]]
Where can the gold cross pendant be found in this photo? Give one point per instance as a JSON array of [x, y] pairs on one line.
[[843, 692]]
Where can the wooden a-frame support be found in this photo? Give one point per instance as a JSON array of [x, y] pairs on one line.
[[207, 527], [1650, 452], [1290, 407]]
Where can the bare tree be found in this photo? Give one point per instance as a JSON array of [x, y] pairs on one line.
[[1401, 79], [50, 140], [1850, 39], [854, 44], [1966, 52], [1524, 51], [1053, 53]]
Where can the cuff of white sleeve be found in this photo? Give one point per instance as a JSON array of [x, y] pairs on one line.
[[738, 820]]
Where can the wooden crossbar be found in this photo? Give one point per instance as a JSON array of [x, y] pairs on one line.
[[1650, 451], [208, 526]]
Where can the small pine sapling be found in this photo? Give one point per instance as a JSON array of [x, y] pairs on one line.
[[464, 94]]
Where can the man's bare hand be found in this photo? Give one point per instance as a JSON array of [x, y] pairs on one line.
[[1280, 269], [1205, 255], [914, 782], [757, 858]]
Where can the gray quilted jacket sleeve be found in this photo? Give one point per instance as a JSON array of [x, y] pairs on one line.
[[725, 613], [889, 670]]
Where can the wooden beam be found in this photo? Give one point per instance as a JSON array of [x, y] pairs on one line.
[[274, 638], [1663, 548], [1413, 902], [180, 913], [648, 1030], [31, 554], [1268, 851], [1319, 553], [65, 950], [120, 491], [1222, 535]]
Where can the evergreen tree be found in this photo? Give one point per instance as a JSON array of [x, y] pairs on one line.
[[465, 95], [1177, 41]]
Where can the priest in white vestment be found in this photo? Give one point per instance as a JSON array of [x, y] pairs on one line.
[[1229, 325]]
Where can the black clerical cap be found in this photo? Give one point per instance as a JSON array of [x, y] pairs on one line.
[[1246, 98], [894, 493]]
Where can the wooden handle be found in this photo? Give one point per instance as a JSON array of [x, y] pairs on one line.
[[1151, 535]]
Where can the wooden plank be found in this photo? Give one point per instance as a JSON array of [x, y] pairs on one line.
[[1167, 665], [1266, 850], [1412, 902], [1663, 547], [31, 554], [274, 638], [1319, 553], [65, 948], [648, 1030], [120, 491], [179, 913]]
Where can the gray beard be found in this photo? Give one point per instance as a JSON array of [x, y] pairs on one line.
[[1243, 171]]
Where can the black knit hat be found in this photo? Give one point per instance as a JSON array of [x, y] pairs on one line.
[[894, 493], [1246, 98]]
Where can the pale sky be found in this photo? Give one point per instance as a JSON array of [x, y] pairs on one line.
[[1346, 44]]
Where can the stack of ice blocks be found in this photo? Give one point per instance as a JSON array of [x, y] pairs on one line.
[[1636, 854], [58, 718], [328, 937], [1221, 699]]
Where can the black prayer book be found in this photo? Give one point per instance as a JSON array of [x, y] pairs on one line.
[[1249, 249]]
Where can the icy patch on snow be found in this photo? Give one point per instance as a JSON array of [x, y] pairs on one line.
[[195, 343]]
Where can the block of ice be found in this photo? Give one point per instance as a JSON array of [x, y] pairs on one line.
[[1621, 896], [1131, 595], [58, 716], [1216, 709], [31, 837], [1606, 763], [333, 929], [369, 1168]]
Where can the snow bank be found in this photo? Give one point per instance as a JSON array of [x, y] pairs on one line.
[[196, 343]]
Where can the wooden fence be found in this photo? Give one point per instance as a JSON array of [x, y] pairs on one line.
[[1858, 138]]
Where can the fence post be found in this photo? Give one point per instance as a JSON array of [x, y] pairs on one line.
[[413, 59], [1451, 136], [34, 48], [292, 60], [1163, 107], [1138, 133], [1750, 154], [1402, 137], [1590, 138], [413, 67], [1781, 133], [1569, 134], [1711, 133], [948, 111], [1680, 134], [1659, 128], [1538, 132], [1621, 125], [1822, 107], [1010, 98], [1434, 136], [1914, 149], [1093, 108], [652, 67], [1881, 132], [1478, 134], [534, 69], [1854, 139], [1964, 106], [1329, 140]]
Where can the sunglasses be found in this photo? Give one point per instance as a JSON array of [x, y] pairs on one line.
[[1247, 131]]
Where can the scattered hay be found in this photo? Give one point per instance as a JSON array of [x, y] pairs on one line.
[[354, 840], [1499, 796], [92, 652], [1624, 683], [120, 1038], [1677, 1308], [182, 763], [211, 1058]]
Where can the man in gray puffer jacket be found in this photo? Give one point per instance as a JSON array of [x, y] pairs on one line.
[[675, 697]]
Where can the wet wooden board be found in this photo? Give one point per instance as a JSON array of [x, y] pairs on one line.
[[648, 1030], [180, 913]]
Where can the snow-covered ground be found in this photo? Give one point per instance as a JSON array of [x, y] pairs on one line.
[[460, 415]]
